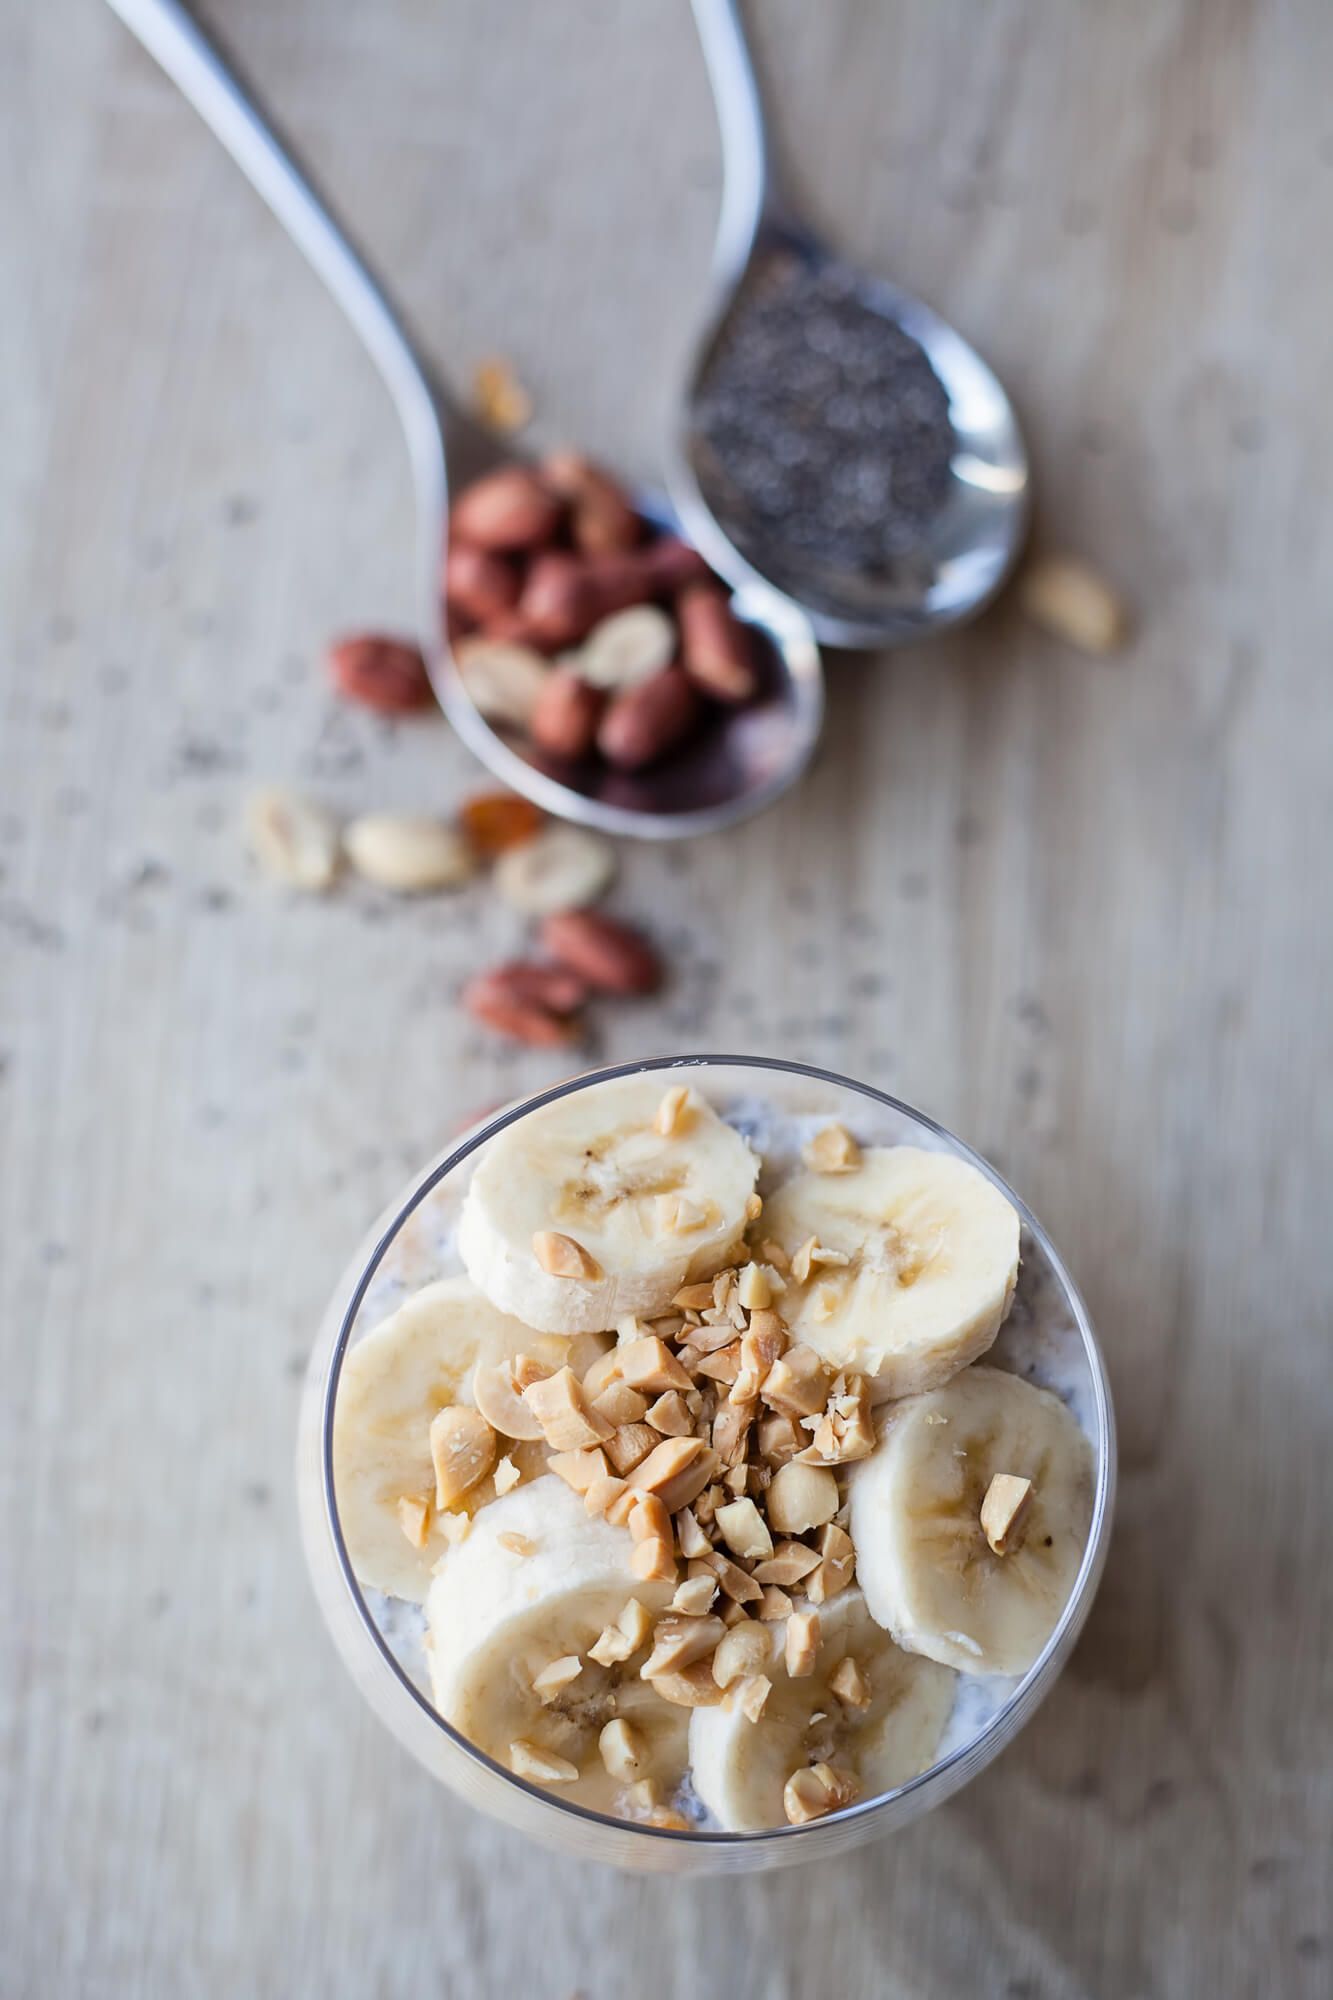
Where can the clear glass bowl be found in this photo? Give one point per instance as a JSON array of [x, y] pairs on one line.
[[1048, 1335]]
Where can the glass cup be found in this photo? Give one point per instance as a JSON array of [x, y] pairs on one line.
[[1048, 1334]]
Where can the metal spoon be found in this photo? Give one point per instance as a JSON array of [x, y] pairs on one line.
[[956, 558], [745, 760]]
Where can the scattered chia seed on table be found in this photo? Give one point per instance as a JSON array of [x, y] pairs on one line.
[[827, 427]]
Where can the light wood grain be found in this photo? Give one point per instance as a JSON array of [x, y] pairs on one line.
[[1078, 910]]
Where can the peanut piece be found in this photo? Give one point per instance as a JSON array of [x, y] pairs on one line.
[[414, 1518], [648, 1363], [553, 1680], [832, 1151], [629, 1445], [801, 1497], [563, 1257], [622, 1752], [745, 1649], [680, 1641], [463, 1450], [850, 1684], [817, 1790], [1005, 1510], [677, 1470], [528, 1760], [569, 1424], [670, 1415], [743, 1528]]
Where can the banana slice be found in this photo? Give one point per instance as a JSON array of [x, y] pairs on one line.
[[881, 1730], [903, 1270], [527, 1594], [923, 1560], [606, 1203], [393, 1382]]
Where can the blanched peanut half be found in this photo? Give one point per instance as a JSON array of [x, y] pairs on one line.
[[801, 1497], [463, 1450], [743, 1529]]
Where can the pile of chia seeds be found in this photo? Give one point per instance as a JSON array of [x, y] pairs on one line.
[[824, 430]]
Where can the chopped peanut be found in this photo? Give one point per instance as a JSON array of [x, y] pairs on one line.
[[599, 1378], [648, 1363], [653, 1560], [693, 1541], [695, 1596], [753, 1288], [1005, 1510], [689, 1687], [649, 1517], [414, 1518], [789, 1562], [564, 1257], [745, 1649], [566, 1418], [832, 1151], [680, 1641], [802, 1643], [751, 1695], [670, 1415], [621, 1750], [774, 1604], [743, 1528], [463, 1448], [629, 1445], [817, 1790], [673, 1112], [619, 1404], [736, 1583], [553, 1680], [602, 1495], [620, 1509], [579, 1469], [850, 1684], [527, 1760], [797, 1384], [801, 1497], [507, 1476], [517, 1545], [779, 1438], [693, 1298], [676, 1470]]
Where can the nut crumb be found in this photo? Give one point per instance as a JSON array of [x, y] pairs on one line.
[[506, 1476], [414, 1518], [519, 1545]]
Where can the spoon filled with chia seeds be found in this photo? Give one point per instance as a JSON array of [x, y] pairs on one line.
[[838, 440]]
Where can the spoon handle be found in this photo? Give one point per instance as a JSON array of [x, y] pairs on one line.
[[206, 80], [749, 184]]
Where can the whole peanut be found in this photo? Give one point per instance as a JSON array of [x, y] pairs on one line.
[[479, 583], [564, 722], [716, 650], [601, 515], [507, 510], [561, 599], [644, 722], [388, 675], [607, 955], [492, 1000]]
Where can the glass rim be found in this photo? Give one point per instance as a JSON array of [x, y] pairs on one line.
[[1031, 1687]]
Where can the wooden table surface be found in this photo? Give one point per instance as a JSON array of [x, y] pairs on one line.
[[1077, 909]]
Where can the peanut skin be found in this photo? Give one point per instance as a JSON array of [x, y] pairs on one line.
[[564, 722], [644, 722], [507, 510], [716, 650]]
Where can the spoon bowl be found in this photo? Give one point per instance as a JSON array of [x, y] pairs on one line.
[[934, 563]]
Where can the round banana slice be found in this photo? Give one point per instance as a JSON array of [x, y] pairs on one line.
[[922, 1503], [513, 1612], [604, 1203], [393, 1382], [869, 1710], [903, 1270]]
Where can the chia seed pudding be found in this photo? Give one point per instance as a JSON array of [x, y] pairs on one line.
[[807, 1642]]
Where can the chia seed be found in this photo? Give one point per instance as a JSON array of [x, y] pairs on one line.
[[823, 432]]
